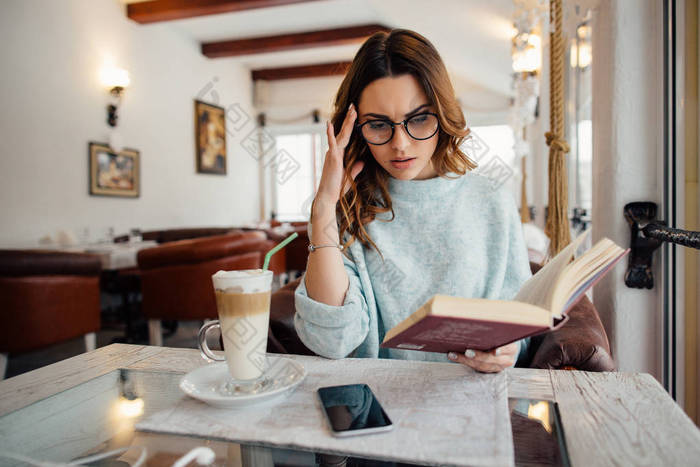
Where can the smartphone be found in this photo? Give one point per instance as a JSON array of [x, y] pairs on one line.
[[353, 409], [538, 435]]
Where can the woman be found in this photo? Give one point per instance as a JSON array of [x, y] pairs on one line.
[[409, 229]]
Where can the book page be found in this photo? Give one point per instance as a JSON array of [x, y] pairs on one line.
[[504, 311], [584, 285], [539, 289], [581, 269], [584, 272]]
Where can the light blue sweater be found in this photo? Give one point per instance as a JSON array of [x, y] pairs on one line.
[[459, 237]]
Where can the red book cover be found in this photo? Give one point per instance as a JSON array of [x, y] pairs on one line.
[[449, 334], [435, 333]]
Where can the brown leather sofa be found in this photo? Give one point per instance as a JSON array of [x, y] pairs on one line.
[[173, 235], [47, 297], [296, 251], [580, 344], [176, 276]]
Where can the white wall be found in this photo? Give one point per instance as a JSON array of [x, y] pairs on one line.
[[538, 161], [53, 104], [627, 132]]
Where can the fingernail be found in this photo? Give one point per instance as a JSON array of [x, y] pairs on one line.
[[469, 353], [452, 356], [352, 106], [497, 352]]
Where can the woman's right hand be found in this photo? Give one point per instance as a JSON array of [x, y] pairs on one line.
[[329, 188]]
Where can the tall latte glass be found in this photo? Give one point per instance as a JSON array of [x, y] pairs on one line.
[[243, 305]]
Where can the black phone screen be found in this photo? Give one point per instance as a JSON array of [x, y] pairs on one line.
[[352, 407], [538, 434]]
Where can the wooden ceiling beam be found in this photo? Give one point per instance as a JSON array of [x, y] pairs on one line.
[[302, 71], [284, 42], [154, 11]]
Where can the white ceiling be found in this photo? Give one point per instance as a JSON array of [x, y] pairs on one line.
[[472, 36]]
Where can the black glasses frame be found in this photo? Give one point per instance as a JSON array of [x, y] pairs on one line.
[[393, 127]]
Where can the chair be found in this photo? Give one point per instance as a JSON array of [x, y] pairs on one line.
[[173, 235], [47, 297], [176, 277], [580, 344], [296, 252]]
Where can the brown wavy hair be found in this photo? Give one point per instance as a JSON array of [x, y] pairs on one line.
[[391, 54]]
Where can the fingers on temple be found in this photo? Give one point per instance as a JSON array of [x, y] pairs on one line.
[[330, 132], [346, 130]]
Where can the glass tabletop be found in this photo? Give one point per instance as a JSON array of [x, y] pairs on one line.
[[98, 417]]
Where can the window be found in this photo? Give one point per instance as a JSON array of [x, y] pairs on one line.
[[498, 140], [579, 127], [291, 198], [491, 147]]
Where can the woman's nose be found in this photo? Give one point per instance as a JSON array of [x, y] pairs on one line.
[[401, 138]]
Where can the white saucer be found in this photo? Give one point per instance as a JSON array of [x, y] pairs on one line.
[[203, 383]]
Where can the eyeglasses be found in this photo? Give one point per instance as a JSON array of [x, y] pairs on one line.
[[421, 126]]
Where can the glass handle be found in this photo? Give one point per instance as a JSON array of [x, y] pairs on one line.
[[207, 354]]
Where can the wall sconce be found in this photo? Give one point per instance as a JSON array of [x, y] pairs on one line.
[[116, 80], [581, 54], [526, 52]]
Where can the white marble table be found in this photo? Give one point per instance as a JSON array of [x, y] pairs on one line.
[[608, 418], [116, 255], [113, 256], [443, 414]]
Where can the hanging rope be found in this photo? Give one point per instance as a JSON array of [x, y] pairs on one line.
[[557, 228], [524, 208]]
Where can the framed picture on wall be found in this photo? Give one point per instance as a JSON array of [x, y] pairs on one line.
[[210, 137], [114, 173]]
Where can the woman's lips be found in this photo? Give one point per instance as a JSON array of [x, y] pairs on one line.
[[404, 164]]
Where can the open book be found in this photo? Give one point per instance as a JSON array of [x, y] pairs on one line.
[[445, 323]]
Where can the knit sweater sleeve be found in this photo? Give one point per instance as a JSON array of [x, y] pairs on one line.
[[333, 331]]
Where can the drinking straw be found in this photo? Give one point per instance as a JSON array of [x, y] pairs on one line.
[[277, 248]]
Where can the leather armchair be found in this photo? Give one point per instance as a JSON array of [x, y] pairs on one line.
[[47, 297], [173, 235], [580, 344], [176, 277], [296, 251]]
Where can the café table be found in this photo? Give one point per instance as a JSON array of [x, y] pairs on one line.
[[73, 408], [120, 278], [114, 256]]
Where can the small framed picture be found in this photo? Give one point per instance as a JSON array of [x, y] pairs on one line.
[[210, 137], [114, 173]]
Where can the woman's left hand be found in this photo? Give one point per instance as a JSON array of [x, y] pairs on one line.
[[488, 362]]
